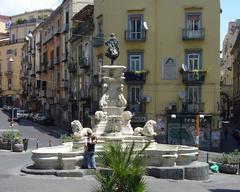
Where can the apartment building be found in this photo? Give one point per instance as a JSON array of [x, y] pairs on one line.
[[227, 73], [70, 68], [235, 51], [53, 86], [19, 27], [4, 20], [171, 51], [81, 67]]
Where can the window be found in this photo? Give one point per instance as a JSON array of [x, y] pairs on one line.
[[194, 99], [135, 27], [9, 51], [135, 95], [9, 84], [67, 17], [193, 21], [193, 26], [135, 61], [13, 37], [44, 85], [10, 66], [100, 26], [193, 94], [193, 61]]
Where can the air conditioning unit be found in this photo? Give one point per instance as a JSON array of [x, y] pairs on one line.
[[146, 99], [172, 107]]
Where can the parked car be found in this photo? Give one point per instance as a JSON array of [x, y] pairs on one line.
[[236, 133], [6, 108], [22, 114], [12, 115]]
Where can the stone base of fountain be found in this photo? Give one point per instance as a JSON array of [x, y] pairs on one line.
[[114, 125]]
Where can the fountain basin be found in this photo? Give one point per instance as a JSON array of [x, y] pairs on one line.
[[186, 154], [58, 157]]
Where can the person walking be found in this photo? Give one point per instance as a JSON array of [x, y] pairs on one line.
[[90, 143]]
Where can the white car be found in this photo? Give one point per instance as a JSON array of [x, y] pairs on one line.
[[22, 114]]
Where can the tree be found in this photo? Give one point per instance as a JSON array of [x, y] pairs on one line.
[[127, 166]]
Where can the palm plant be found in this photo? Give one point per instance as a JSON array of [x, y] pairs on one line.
[[126, 168]]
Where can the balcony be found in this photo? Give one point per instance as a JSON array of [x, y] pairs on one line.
[[72, 68], [65, 28], [64, 84], [47, 38], [189, 34], [135, 77], [98, 40], [29, 66], [56, 60], [57, 31], [97, 79], [83, 27], [190, 107], [135, 35], [64, 57], [43, 67], [43, 94], [84, 95], [137, 108], [32, 74], [9, 73], [51, 66], [38, 70], [84, 62], [195, 77], [72, 97]]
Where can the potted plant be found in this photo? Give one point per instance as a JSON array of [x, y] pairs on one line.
[[17, 143], [5, 141], [229, 162], [12, 138]]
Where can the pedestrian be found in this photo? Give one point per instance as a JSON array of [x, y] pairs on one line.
[[90, 143]]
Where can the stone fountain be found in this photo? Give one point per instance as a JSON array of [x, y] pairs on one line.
[[113, 125]]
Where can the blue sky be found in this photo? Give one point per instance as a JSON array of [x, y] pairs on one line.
[[231, 9], [231, 12]]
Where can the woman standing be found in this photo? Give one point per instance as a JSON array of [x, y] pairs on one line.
[[90, 143]]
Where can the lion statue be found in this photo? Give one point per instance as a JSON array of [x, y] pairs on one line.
[[147, 130], [78, 130]]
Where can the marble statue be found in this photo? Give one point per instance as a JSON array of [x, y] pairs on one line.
[[78, 130], [122, 102], [104, 99], [147, 130]]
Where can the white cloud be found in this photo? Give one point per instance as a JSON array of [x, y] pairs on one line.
[[14, 7]]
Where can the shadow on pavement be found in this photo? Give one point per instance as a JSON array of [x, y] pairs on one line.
[[50, 130], [224, 190]]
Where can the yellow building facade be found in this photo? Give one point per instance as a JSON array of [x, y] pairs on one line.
[[171, 51], [10, 65]]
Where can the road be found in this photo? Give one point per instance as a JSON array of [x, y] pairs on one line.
[[12, 180], [33, 131]]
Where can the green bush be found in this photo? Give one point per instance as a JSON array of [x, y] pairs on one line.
[[71, 138], [12, 136], [127, 167], [232, 158]]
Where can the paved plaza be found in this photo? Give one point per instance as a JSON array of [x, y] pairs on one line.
[[12, 180]]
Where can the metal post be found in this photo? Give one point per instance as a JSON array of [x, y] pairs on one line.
[[197, 132], [11, 126], [50, 143], [37, 143], [207, 156]]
